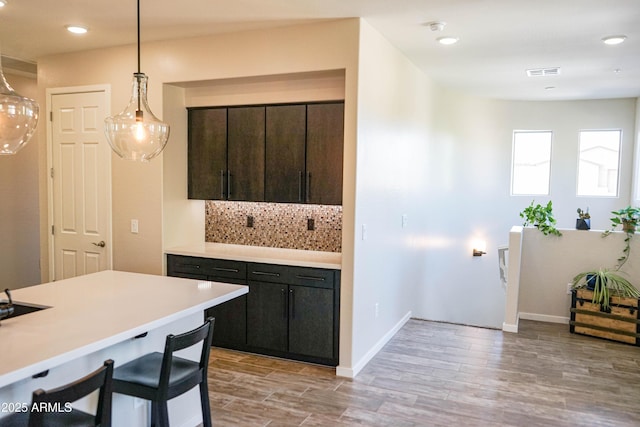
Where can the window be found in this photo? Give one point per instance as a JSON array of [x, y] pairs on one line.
[[531, 162], [598, 162]]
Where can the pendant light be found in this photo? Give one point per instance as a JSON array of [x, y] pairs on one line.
[[18, 118], [135, 133]]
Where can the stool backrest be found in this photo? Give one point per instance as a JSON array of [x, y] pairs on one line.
[[60, 397], [202, 334]]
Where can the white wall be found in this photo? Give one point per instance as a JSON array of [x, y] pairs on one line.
[[549, 263], [394, 112], [19, 215], [468, 195]]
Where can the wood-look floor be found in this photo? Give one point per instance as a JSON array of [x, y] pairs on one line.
[[438, 374]]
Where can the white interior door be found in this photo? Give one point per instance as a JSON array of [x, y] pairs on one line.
[[80, 174]]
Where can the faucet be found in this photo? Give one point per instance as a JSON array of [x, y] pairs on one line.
[[6, 309]]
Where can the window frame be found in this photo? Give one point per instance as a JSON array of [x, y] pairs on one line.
[[619, 171], [513, 160]]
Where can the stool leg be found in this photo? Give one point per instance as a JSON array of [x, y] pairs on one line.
[[204, 402], [163, 414], [154, 413]]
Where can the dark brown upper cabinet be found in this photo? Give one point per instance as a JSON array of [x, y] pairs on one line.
[[207, 152], [304, 153], [276, 153], [245, 139], [226, 153], [285, 156], [325, 141]]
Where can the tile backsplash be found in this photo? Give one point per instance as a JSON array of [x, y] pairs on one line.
[[275, 225]]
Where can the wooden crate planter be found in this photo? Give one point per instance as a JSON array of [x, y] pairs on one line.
[[621, 324]]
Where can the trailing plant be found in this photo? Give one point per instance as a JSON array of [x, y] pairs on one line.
[[606, 283], [541, 217], [628, 218]]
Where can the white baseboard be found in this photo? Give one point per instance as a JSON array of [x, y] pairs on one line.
[[510, 327], [352, 372], [544, 318]]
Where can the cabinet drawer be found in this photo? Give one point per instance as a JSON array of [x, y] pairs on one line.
[[305, 276], [212, 268]]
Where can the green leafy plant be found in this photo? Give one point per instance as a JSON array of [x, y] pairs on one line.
[[541, 217], [605, 283], [628, 218]]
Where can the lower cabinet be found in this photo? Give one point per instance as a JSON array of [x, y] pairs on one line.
[[230, 329], [291, 319], [290, 311]]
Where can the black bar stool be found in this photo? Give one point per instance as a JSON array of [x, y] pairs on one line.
[[49, 408], [160, 377]]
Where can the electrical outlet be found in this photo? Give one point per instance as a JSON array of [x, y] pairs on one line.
[[569, 285], [134, 226], [311, 224], [249, 221]]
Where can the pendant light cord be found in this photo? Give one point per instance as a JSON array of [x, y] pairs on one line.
[[139, 75], [138, 36]]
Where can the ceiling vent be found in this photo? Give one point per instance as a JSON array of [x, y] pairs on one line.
[[543, 72]]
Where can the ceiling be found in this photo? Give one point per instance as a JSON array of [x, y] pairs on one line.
[[499, 39]]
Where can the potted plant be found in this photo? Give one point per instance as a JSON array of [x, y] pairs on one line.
[[583, 222], [605, 283], [628, 218], [541, 217]]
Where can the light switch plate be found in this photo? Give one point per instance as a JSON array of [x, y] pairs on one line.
[[134, 226]]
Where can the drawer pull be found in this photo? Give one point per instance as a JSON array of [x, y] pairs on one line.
[[319, 279], [265, 273], [189, 265], [227, 270]]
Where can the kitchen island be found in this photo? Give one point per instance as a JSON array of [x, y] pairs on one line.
[[104, 315]]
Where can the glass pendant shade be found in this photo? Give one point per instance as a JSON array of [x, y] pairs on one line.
[[135, 133], [18, 118]]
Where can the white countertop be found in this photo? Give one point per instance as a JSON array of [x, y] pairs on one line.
[[89, 313], [295, 257]]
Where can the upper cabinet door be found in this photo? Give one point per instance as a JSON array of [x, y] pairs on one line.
[[325, 140], [246, 153], [285, 153], [207, 153]]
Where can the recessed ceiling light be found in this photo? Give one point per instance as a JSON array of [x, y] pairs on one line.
[[3, 3], [614, 39], [76, 29], [447, 40]]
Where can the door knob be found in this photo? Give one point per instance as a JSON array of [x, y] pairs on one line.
[[101, 244]]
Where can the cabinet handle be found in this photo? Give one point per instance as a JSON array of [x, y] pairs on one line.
[[228, 270], [292, 301], [299, 186], [284, 302], [189, 265], [319, 279], [228, 184], [265, 273], [222, 184], [308, 186]]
